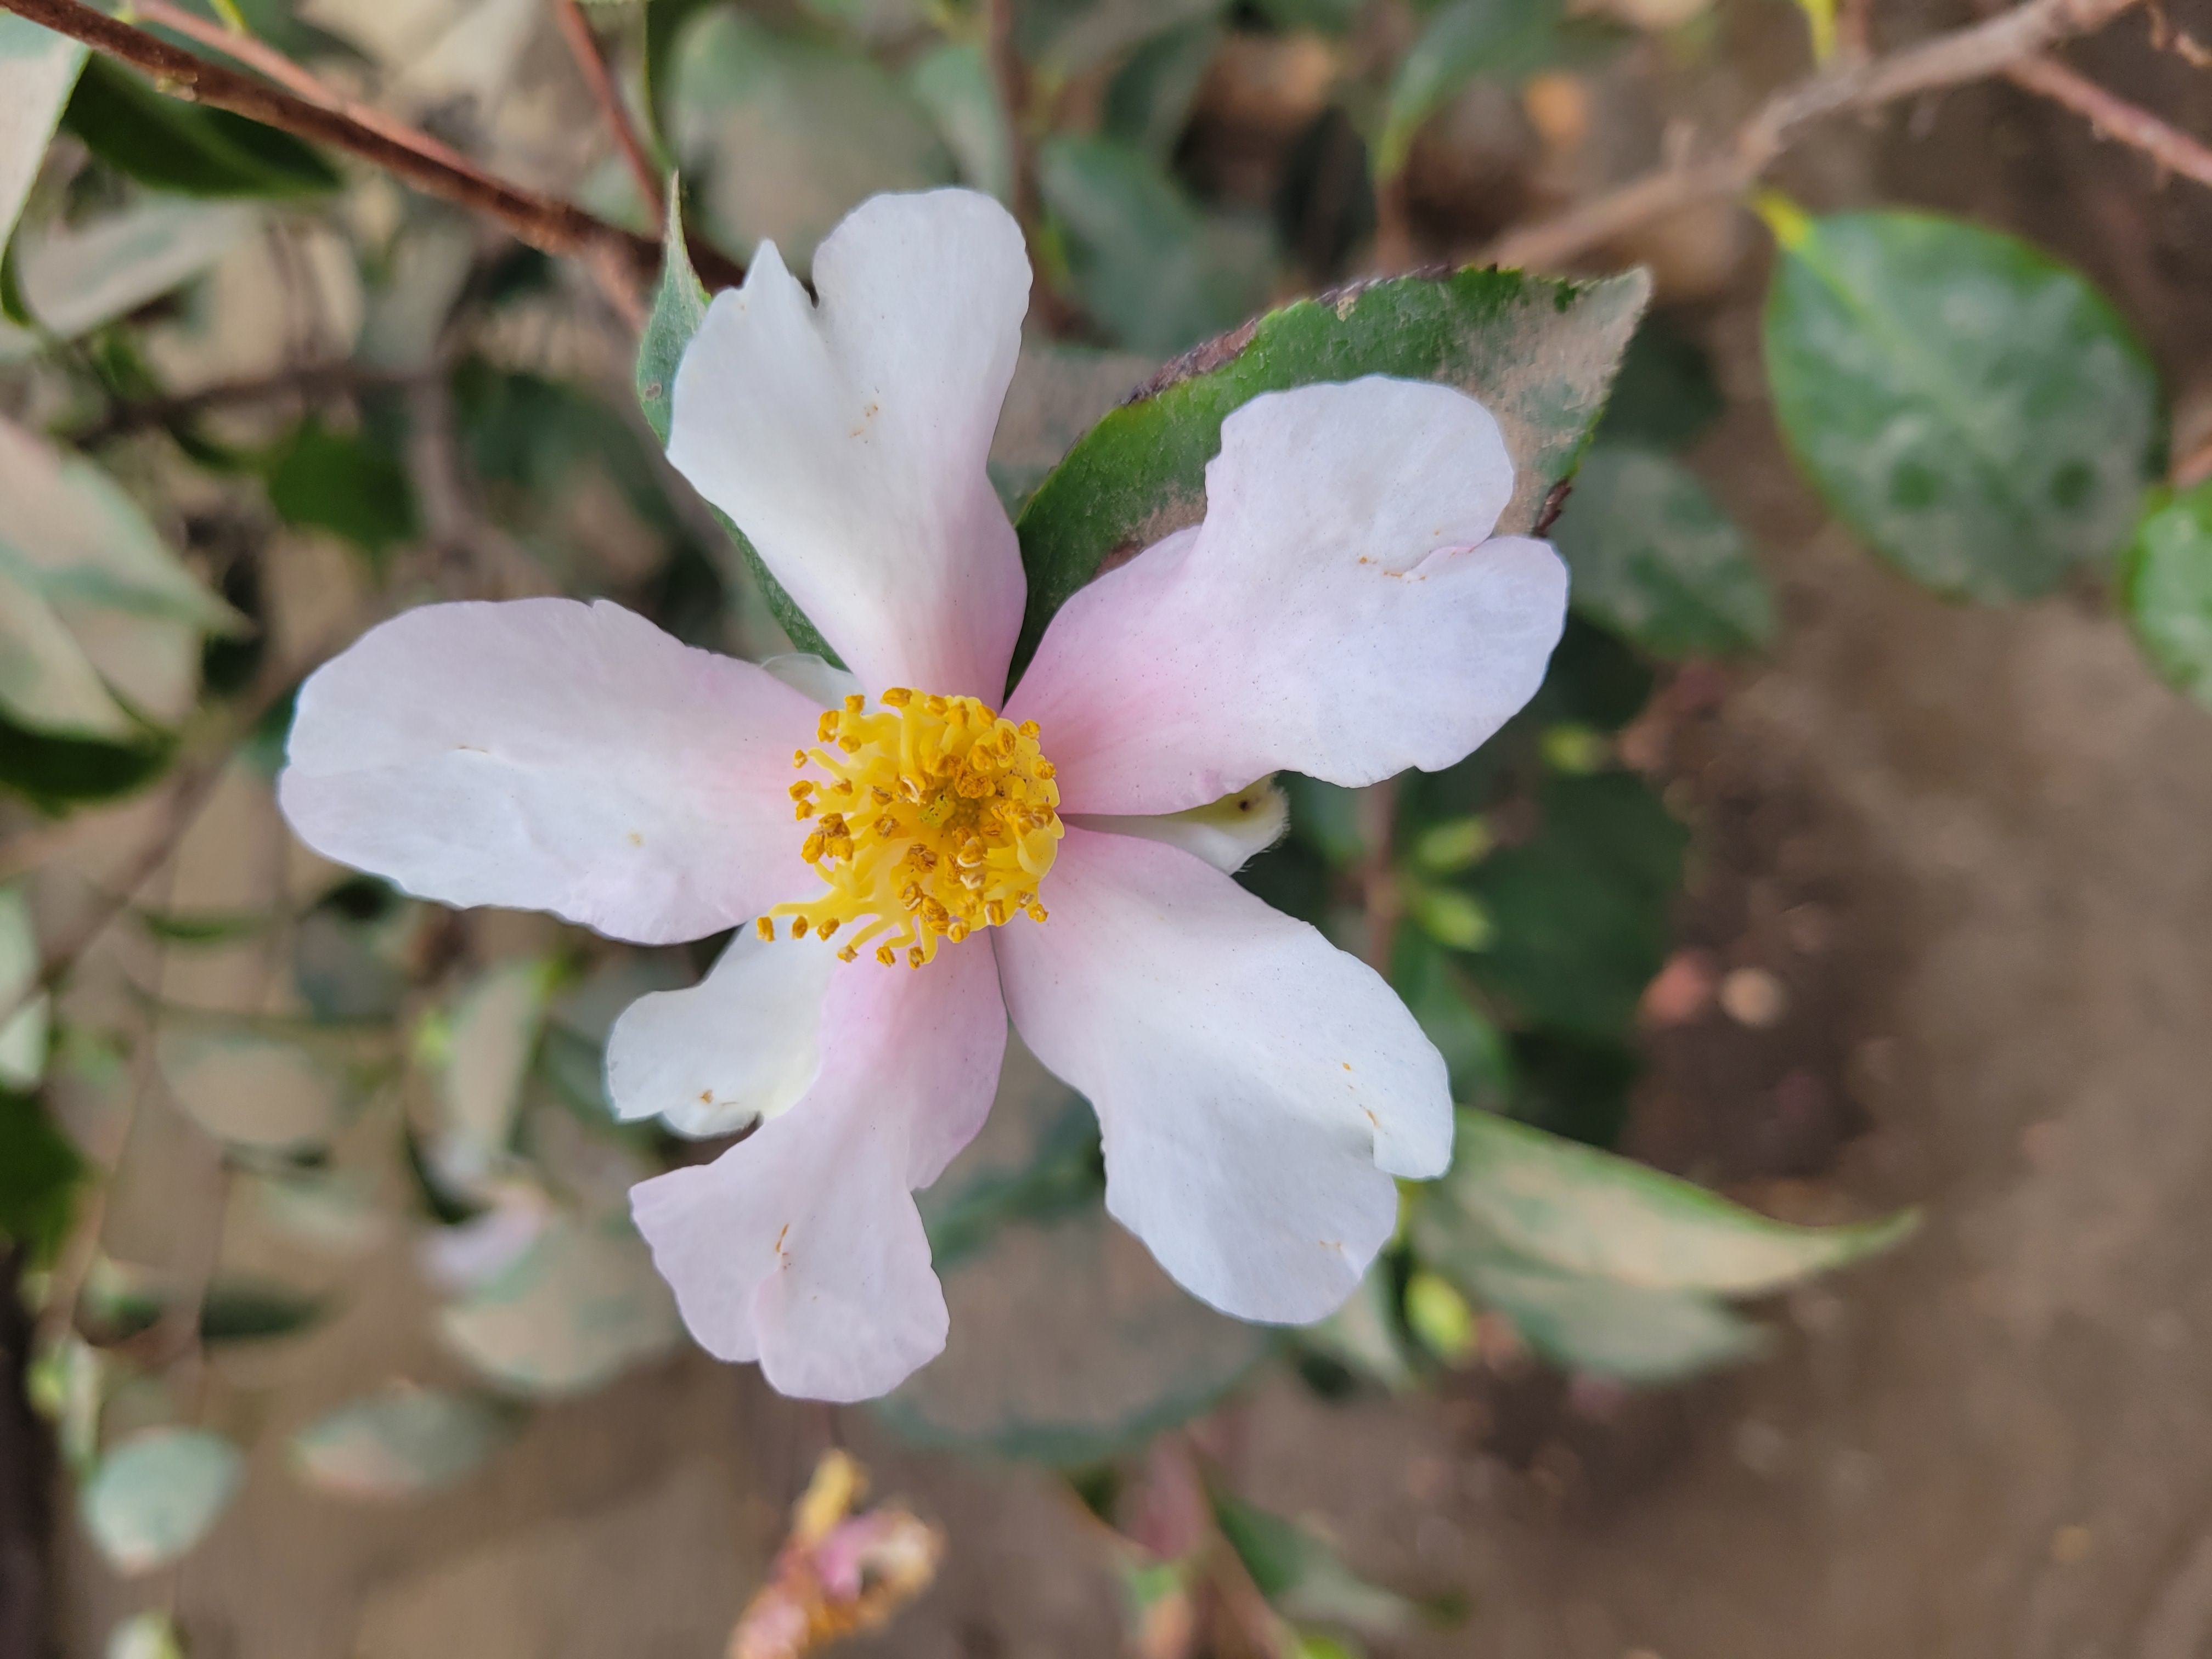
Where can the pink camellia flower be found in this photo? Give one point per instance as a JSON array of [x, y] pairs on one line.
[[909, 865]]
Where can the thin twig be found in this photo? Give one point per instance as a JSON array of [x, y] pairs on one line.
[[583, 48], [554, 226], [2115, 117], [1972, 54]]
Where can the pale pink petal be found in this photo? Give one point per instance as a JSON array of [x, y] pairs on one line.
[[1256, 1087], [848, 440], [738, 1046], [553, 755], [1338, 613], [800, 1246]]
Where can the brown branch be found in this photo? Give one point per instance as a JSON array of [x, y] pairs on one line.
[[583, 48], [551, 226], [2114, 118], [1974, 53], [257, 55]]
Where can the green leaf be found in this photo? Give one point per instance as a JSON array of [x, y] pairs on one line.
[[400, 1442], [188, 150], [1588, 1212], [37, 69], [1466, 38], [1157, 273], [345, 483], [1583, 910], [1657, 560], [679, 307], [1303, 1577], [1061, 39], [1149, 101], [1365, 1332], [482, 1055], [154, 1495], [954, 83], [1666, 395], [145, 1636], [583, 1305], [254, 1310], [75, 279], [783, 137], [1068, 1343], [2167, 591], [1606, 1328], [25, 1010], [100, 627], [247, 1089], [40, 1170], [1973, 409], [1539, 354]]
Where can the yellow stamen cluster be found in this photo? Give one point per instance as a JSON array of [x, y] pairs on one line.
[[936, 817]]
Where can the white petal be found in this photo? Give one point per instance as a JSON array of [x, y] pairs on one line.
[[1228, 834], [1338, 613], [739, 1045], [1257, 1088], [800, 1246], [848, 440], [553, 755]]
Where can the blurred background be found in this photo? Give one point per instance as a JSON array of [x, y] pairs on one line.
[[1798, 880]]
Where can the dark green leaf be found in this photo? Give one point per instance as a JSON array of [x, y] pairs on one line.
[[1539, 354], [1302, 1576], [954, 83], [345, 483], [1466, 38], [679, 307], [1474, 1051], [1583, 910], [205, 927], [246, 1310], [1975, 410], [1148, 101], [783, 137], [1157, 273], [39, 1169], [2168, 591], [1655, 559], [53, 772], [1666, 395], [186, 149]]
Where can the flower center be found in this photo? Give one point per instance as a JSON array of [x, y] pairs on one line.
[[935, 816]]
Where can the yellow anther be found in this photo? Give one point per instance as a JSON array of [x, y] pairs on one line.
[[826, 727], [799, 757], [947, 819], [1035, 913], [802, 810], [765, 927], [1047, 770]]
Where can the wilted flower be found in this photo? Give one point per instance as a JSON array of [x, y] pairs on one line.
[[927, 864], [837, 1574]]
